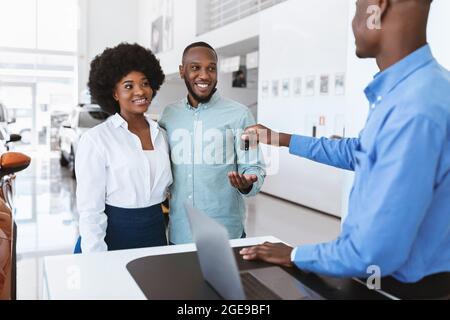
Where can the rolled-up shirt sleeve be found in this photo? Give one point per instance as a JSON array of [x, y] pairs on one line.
[[90, 166], [338, 153], [398, 190]]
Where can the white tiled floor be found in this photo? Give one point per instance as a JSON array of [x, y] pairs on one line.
[[47, 220]]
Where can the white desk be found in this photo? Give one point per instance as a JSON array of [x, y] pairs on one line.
[[104, 276]]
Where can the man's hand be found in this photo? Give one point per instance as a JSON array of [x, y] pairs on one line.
[[261, 134], [243, 182], [277, 253]]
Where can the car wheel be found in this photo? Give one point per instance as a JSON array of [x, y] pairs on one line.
[[72, 163], [63, 161], [26, 136]]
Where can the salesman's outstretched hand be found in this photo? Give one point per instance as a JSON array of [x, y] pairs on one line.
[[243, 182], [261, 134], [277, 253]]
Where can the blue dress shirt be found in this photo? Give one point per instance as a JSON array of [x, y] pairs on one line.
[[399, 208], [205, 147]]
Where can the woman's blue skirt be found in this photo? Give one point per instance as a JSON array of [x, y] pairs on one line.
[[133, 228]]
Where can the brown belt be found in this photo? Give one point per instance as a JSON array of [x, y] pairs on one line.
[[436, 286]]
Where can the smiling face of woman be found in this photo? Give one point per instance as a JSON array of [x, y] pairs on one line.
[[133, 93]]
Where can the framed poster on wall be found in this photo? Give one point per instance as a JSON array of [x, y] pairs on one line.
[[324, 84], [265, 89], [157, 35], [275, 88], [286, 87], [310, 85], [162, 26], [297, 87], [339, 84]]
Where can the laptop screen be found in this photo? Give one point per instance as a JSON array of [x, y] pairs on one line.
[[215, 255]]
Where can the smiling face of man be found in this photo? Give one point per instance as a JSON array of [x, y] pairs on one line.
[[199, 71]]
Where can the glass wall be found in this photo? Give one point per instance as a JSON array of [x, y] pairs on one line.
[[38, 65], [218, 13]]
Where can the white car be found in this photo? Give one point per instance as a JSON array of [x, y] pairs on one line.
[[4, 121], [5, 133], [81, 119]]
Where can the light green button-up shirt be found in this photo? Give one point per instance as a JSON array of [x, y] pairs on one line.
[[205, 146]]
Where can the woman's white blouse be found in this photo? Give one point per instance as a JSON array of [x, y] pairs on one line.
[[112, 168], [153, 158]]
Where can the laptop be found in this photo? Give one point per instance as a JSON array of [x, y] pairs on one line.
[[220, 271]]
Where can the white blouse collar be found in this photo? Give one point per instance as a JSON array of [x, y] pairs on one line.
[[118, 122]]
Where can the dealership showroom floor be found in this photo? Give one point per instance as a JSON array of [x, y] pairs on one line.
[[48, 221]]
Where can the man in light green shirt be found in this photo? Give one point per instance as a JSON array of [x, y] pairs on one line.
[[211, 169]]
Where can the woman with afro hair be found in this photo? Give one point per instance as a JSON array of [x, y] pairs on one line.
[[122, 165]]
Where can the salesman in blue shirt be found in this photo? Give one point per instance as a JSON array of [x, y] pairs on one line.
[[399, 208]]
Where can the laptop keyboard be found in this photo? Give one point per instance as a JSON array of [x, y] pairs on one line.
[[255, 290]]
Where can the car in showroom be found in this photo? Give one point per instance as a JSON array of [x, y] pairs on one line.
[[10, 164], [82, 118]]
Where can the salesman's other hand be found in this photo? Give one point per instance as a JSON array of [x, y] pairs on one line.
[[243, 182], [277, 253]]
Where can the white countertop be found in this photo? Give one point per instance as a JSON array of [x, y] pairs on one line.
[[103, 276]]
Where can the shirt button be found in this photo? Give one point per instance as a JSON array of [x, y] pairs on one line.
[[190, 197], [190, 176]]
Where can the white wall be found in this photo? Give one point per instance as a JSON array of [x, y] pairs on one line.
[[172, 90], [300, 39], [104, 23], [439, 31]]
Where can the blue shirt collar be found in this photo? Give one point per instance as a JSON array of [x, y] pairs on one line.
[[384, 82], [214, 100]]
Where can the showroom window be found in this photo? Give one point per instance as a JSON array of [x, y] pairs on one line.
[[38, 65], [213, 14]]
